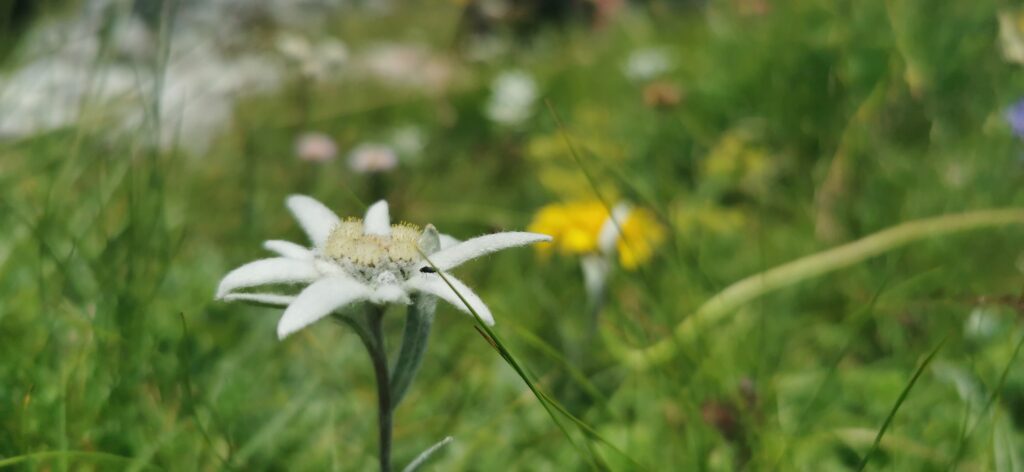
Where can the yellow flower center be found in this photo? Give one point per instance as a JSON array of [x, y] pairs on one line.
[[369, 255]]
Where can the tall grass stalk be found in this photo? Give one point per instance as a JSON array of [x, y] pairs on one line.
[[808, 267]]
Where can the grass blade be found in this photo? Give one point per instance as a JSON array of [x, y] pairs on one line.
[[426, 455], [36, 456], [899, 402]]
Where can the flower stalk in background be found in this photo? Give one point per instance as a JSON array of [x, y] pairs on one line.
[[357, 267]]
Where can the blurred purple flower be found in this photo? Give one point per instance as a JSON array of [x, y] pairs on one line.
[[1015, 118]]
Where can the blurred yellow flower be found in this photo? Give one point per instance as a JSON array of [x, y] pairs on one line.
[[586, 227], [641, 233]]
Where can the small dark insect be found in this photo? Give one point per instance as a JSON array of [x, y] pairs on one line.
[[428, 270]]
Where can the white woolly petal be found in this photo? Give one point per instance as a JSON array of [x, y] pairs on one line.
[[377, 220], [319, 300], [454, 256], [288, 249], [390, 294], [265, 298], [432, 284], [316, 219], [611, 229], [276, 270], [327, 268], [448, 241]]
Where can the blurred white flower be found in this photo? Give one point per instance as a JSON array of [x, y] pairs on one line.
[[355, 261], [50, 93], [371, 157], [235, 17], [332, 51], [65, 79], [315, 147], [293, 46], [646, 64], [58, 81], [982, 324], [513, 95], [199, 93], [318, 61], [409, 141], [407, 65]]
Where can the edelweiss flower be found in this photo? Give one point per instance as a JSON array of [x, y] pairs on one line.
[[356, 260]]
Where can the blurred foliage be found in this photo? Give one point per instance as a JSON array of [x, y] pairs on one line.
[[793, 126]]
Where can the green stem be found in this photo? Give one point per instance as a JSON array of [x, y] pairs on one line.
[[379, 356], [418, 321], [371, 332], [808, 267]]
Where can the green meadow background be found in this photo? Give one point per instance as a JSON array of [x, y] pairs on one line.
[[799, 126]]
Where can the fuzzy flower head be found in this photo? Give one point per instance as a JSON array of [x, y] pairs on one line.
[[368, 260], [584, 228], [315, 147], [370, 158]]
